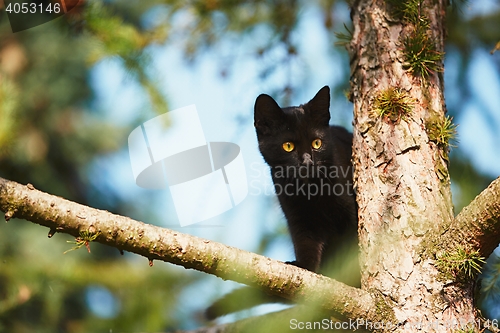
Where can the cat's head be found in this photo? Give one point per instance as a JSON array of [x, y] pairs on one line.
[[297, 135]]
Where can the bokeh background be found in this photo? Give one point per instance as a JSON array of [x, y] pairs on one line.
[[72, 89]]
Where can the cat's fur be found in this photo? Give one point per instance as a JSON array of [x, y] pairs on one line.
[[314, 187]]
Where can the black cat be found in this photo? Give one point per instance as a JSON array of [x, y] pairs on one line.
[[311, 169], [312, 173]]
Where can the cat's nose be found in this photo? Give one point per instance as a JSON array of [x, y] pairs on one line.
[[306, 159]]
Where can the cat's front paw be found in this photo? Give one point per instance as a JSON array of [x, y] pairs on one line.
[[295, 263], [301, 265]]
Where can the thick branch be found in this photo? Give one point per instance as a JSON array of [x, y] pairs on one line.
[[157, 243], [478, 224]]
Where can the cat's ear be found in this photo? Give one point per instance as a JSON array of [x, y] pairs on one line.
[[267, 114], [319, 106]]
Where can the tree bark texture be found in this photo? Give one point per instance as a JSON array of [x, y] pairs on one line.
[[401, 178], [478, 224]]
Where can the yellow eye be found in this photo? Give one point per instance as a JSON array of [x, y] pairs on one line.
[[288, 146], [316, 144]]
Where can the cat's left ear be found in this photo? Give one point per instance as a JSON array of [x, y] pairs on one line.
[[267, 115], [319, 106]]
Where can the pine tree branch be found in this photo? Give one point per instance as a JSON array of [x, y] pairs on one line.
[[155, 243], [478, 224]]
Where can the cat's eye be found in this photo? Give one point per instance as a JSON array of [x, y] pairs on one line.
[[316, 144], [288, 146]]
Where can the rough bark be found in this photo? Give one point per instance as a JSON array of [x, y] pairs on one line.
[[477, 225], [403, 188]]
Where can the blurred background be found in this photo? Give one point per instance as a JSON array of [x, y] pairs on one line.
[[72, 90]]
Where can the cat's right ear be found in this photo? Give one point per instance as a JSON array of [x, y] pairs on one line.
[[267, 114]]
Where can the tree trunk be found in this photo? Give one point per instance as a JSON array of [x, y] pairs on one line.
[[401, 177]]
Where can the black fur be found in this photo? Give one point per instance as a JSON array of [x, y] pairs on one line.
[[314, 188]]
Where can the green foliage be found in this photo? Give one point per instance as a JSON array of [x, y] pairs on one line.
[[442, 132], [113, 36], [463, 263], [45, 96], [419, 48], [84, 239], [344, 38], [50, 133], [44, 290], [421, 56], [392, 104], [409, 10], [9, 97]]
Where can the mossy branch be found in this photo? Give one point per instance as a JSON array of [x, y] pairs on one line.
[[462, 264], [442, 132], [155, 243], [419, 47], [392, 104], [477, 226]]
